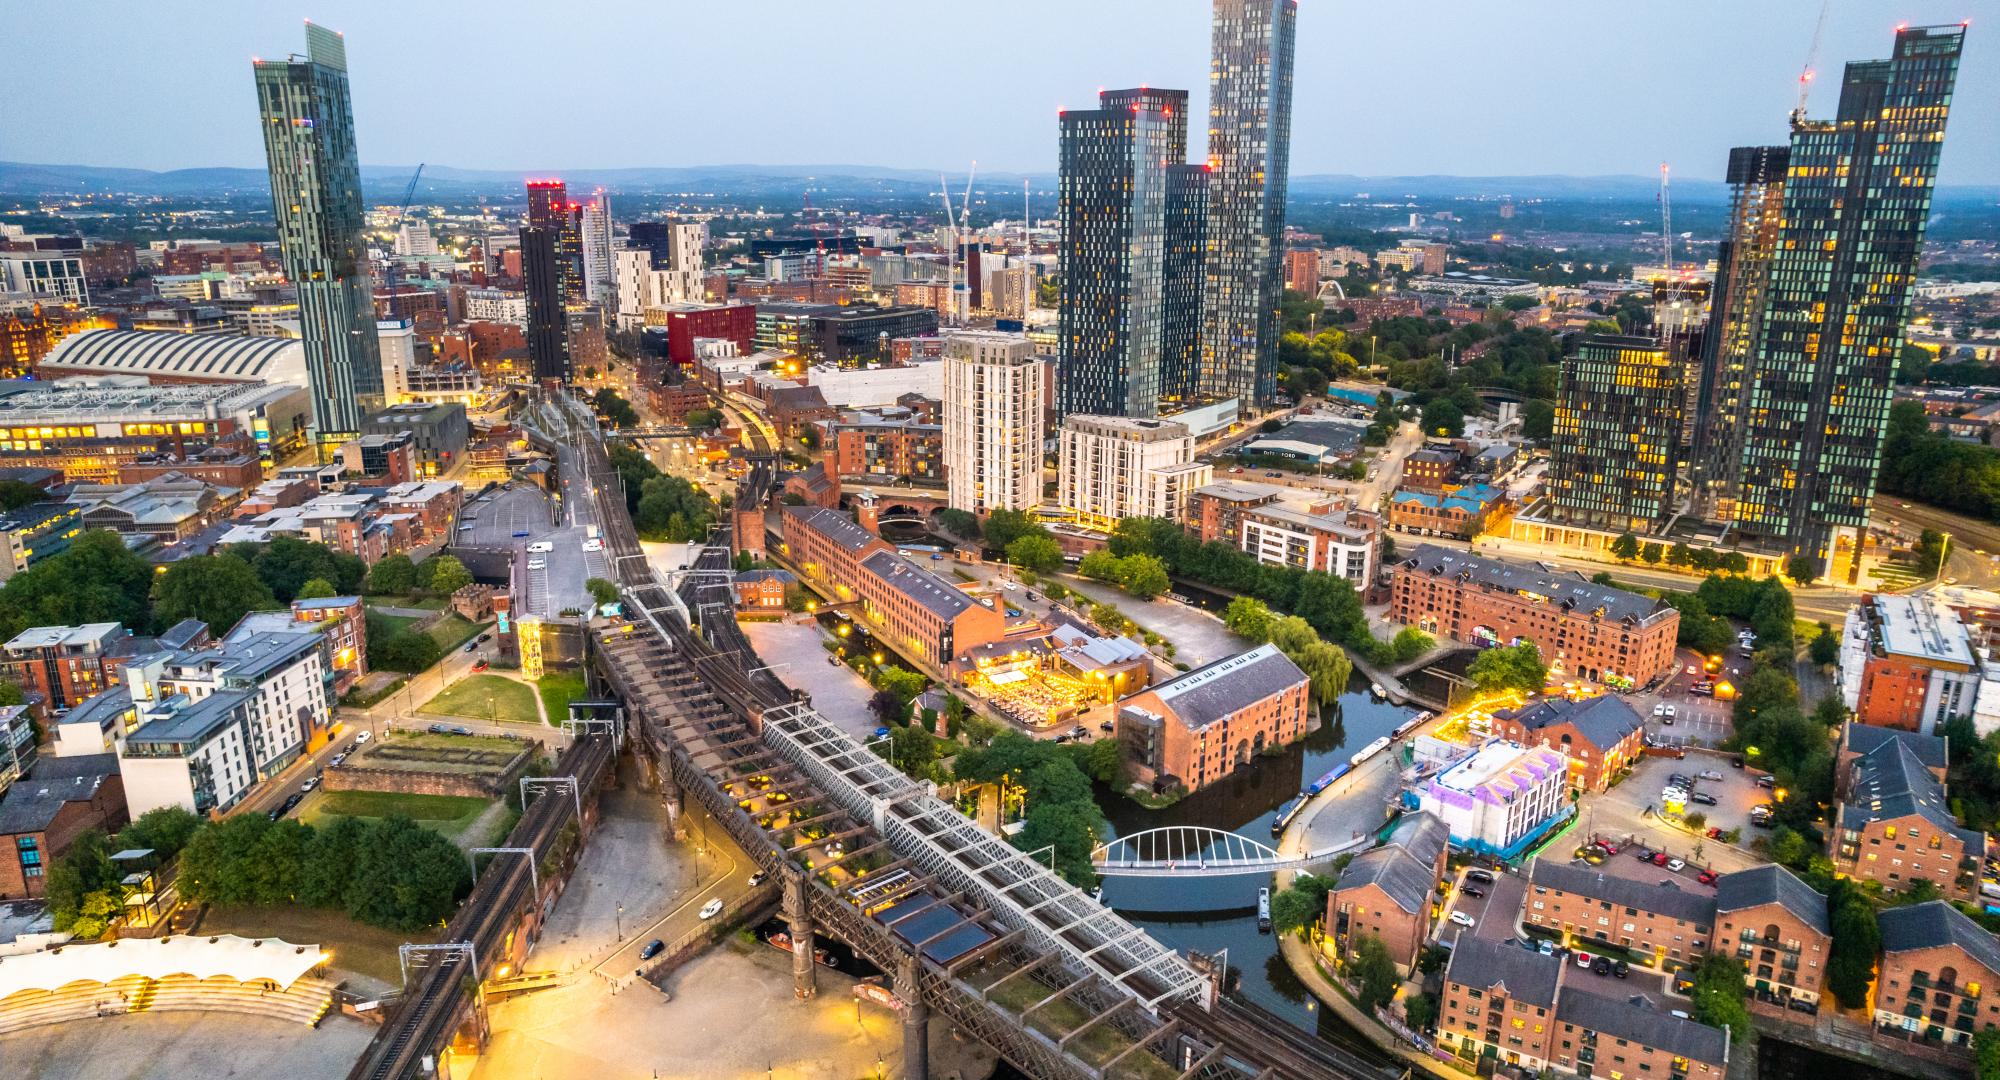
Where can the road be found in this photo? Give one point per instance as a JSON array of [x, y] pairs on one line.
[[1813, 602], [1974, 555]]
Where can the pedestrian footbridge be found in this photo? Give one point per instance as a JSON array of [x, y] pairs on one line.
[[1197, 851]]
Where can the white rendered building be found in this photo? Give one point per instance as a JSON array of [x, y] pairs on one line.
[[994, 387], [1112, 467]]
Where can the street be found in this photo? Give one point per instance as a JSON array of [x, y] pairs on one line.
[[1973, 558]]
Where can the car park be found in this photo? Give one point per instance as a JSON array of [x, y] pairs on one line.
[[537, 564], [540, 547], [1710, 774]]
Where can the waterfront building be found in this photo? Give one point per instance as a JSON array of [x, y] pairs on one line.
[[1114, 467], [1778, 928], [1195, 729], [1391, 892], [1499, 797]]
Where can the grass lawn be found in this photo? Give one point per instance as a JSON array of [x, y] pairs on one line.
[[558, 690], [356, 947], [485, 697], [447, 815], [453, 631], [396, 623]]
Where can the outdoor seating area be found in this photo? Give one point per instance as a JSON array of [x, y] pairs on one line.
[[1033, 696]]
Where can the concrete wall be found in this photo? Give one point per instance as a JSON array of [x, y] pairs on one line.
[[425, 782]]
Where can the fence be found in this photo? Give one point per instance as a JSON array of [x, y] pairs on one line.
[[750, 907]]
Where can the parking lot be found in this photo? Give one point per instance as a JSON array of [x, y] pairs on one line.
[[495, 519], [1633, 809], [1495, 912], [1697, 719]]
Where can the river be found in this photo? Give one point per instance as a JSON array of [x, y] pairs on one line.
[[1208, 914]]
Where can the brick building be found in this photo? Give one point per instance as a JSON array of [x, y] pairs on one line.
[[1197, 728], [1860, 740], [1907, 662], [1464, 513], [762, 590], [1583, 629], [883, 444], [1499, 1003], [676, 400], [731, 322], [344, 622], [1600, 735], [1895, 826], [1590, 906], [1320, 536], [795, 408], [43, 812], [1778, 927], [1936, 973], [68, 664], [1430, 469], [1390, 892]]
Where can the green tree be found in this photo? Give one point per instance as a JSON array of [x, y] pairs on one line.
[[1442, 416], [83, 869], [1100, 760], [394, 575], [1652, 553], [1420, 1011], [1040, 554], [959, 523], [98, 579], [316, 589], [1375, 970], [1516, 667], [1626, 547], [1734, 562], [1825, 647], [614, 408], [445, 575], [1003, 527], [407, 877], [12, 694], [1856, 940], [1100, 565], [1410, 643], [1802, 569], [163, 830], [1719, 996], [1293, 911], [1328, 668], [602, 591], [216, 589], [1930, 552], [1986, 1053], [1143, 576], [14, 495], [902, 682], [1248, 617], [286, 563], [1679, 555], [702, 419]]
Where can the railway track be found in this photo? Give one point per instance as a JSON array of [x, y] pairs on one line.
[[424, 1020]]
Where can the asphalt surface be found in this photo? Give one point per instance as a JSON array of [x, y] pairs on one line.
[[1973, 558]]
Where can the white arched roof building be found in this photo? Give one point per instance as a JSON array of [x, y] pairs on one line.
[[177, 358]]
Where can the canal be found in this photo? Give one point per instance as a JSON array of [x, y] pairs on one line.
[[1208, 914]]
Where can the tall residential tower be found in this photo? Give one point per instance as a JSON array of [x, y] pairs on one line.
[[993, 391], [1249, 158], [316, 198]]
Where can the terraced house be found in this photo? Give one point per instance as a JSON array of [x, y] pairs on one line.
[[1600, 735], [1588, 905], [1895, 824]]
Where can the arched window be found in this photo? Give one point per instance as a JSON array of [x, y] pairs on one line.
[[1946, 978], [1771, 932]]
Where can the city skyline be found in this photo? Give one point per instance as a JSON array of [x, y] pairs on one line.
[[1727, 89]]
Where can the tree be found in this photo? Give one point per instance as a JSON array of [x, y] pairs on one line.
[[1930, 552], [1803, 569], [1626, 547], [614, 408], [83, 869], [163, 830], [1856, 940], [960, 523], [1099, 565], [98, 579], [602, 591], [1040, 554], [1825, 647], [444, 575], [1442, 416], [318, 588], [1986, 1053], [1679, 555], [394, 575], [14, 495], [1248, 617], [1328, 668], [286, 563], [1003, 527], [1144, 576], [1652, 553], [889, 707], [1420, 1011], [1516, 667], [1830, 711], [702, 419], [1719, 995], [1375, 970], [1538, 419], [1410, 643], [1100, 760], [1293, 911], [406, 877], [215, 589]]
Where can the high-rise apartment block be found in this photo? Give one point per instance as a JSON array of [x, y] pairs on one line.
[[1756, 178], [1616, 439], [1249, 158], [1836, 297], [1114, 467], [548, 316], [316, 198], [596, 237], [1123, 191], [993, 387]]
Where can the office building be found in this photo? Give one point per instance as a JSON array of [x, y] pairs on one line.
[[439, 432], [1195, 729], [1583, 629], [1114, 467], [993, 394], [1501, 797], [1249, 160], [548, 314], [1857, 193], [1616, 441], [1123, 188], [90, 432], [316, 197], [46, 274], [1908, 662], [595, 236]]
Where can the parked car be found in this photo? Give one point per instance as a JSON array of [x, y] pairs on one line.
[[1601, 966], [1643, 854], [1676, 865], [1620, 968], [1710, 774], [756, 879], [1610, 846], [653, 948], [1767, 781], [1107, 727], [1480, 875], [1703, 798], [361, 738], [1706, 877], [1681, 780], [311, 783], [1715, 832], [472, 646], [1583, 959], [338, 759], [1079, 732], [1461, 918], [1659, 858], [440, 729], [1472, 892], [480, 665]]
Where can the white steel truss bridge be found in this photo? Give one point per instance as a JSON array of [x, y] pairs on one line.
[[1197, 851]]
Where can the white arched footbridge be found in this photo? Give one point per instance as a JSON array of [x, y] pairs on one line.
[[1197, 851]]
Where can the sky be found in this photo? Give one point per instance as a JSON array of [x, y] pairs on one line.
[[1452, 87]]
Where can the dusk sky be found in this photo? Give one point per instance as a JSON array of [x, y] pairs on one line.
[[1566, 86]]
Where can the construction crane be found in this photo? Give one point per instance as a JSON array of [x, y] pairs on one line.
[[818, 225], [950, 247], [395, 261], [1666, 223], [1812, 57]]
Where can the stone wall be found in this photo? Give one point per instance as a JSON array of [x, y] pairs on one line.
[[480, 785]]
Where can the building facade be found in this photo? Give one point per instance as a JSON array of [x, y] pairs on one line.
[[1616, 441], [1197, 728], [1590, 906], [1895, 825], [1391, 892], [994, 385], [548, 316], [1583, 629], [1908, 662], [1114, 467], [1599, 735], [1464, 513], [1501, 796], [41, 816], [1249, 162], [1778, 928], [1937, 974], [316, 198]]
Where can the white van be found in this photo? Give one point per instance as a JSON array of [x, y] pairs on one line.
[[541, 547]]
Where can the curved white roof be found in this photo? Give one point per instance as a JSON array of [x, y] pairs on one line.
[[204, 357], [239, 958]]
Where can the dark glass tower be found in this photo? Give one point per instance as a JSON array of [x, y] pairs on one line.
[[1249, 157], [1857, 194], [1187, 234], [316, 198], [548, 316], [1114, 211], [1617, 434], [1736, 310]]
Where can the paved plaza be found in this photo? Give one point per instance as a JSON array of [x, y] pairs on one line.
[[176, 1045]]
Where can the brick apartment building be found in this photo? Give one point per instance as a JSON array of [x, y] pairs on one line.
[[1319, 537], [1588, 905], [1895, 826], [1777, 926], [676, 400], [1583, 629], [43, 812], [1430, 468], [1600, 735], [866, 444], [1390, 892], [1937, 973], [1464, 513], [1197, 728], [1505, 1004], [1860, 740], [68, 664], [815, 485], [1907, 662]]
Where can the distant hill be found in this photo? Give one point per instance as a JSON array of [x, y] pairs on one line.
[[382, 182]]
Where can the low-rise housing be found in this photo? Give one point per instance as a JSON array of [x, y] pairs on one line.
[[1197, 728], [1599, 735], [1777, 927], [1588, 905], [1937, 974], [1391, 892], [1895, 826], [44, 812], [1463, 513]]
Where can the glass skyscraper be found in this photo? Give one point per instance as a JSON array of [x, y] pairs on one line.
[[1249, 157], [316, 197], [1857, 192], [1123, 190], [1616, 438]]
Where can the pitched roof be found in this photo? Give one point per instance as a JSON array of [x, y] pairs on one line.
[[1643, 1021], [1528, 976], [1892, 782], [931, 592], [33, 801], [1772, 884], [1424, 835], [1572, 592], [1867, 738], [1668, 900], [833, 525], [1927, 925], [1392, 869], [1604, 720], [1207, 694]]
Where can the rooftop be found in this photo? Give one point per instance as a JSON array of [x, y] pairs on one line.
[[33, 801], [834, 525], [931, 592], [1867, 738], [1207, 694], [1126, 427], [1892, 782], [91, 400], [88, 635], [1237, 491], [1605, 720], [1528, 977], [1927, 925], [1772, 884], [1473, 498], [1670, 900], [1497, 773], [213, 357], [1573, 592], [190, 722], [1642, 1021], [1914, 627]]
